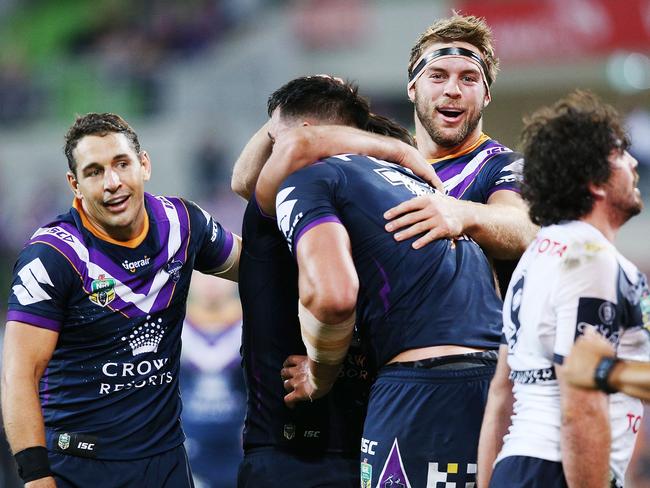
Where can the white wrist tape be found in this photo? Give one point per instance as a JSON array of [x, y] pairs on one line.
[[325, 343]]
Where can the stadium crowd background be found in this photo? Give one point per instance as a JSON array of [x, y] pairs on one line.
[[193, 76]]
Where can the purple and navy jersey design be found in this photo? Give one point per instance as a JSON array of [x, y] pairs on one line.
[[442, 294], [119, 311], [268, 288], [475, 176]]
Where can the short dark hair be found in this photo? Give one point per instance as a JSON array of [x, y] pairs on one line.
[[566, 147], [332, 101], [96, 124]]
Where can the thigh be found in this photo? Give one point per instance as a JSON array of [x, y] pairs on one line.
[[527, 472], [421, 433], [279, 469], [166, 470]]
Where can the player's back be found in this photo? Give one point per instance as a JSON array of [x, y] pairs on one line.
[[442, 294]]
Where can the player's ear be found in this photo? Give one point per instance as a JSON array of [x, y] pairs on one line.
[[410, 91], [146, 165], [598, 191], [73, 184]]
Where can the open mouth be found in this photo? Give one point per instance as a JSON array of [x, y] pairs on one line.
[[117, 204], [449, 112]]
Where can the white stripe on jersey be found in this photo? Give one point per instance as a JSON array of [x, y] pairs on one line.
[[470, 167], [32, 275], [143, 302]]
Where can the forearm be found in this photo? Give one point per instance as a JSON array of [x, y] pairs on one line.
[[503, 231], [585, 437], [250, 162], [496, 420], [632, 378], [21, 411]]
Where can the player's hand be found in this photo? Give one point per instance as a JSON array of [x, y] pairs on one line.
[[298, 382], [435, 216], [413, 160], [588, 350], [47, 482]]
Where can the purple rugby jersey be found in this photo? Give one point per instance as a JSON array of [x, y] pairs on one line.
[[113, 377]]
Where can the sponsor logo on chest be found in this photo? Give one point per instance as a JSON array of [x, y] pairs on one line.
[[133, 265]]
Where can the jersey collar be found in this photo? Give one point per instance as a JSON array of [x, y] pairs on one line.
[[131, 243]]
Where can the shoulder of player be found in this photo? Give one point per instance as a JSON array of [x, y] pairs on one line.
[[585, 247]]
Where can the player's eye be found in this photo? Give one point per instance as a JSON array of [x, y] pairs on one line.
[[93, 172]]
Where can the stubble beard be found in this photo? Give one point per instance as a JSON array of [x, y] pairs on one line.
[[438, 136]]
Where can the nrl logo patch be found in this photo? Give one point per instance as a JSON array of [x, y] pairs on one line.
[[64, 441], [289, 431], [102, 290]]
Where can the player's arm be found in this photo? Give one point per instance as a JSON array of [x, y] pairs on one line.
[[328, 286], [629, 377], [249, 163], [27, 351], [585, 434], [496, 419], [296, 148], [501, 227], [229, 270]]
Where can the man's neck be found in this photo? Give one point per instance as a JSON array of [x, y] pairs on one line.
[[602, 220], [430, 150]]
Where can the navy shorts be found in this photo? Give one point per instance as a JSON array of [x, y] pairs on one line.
[[276, 468], [528, 472], [423, 425], [170, 469]]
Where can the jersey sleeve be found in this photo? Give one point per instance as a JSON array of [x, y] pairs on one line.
[[216, 248], [42, 278], [585, 296], [307, 199], [503, 172]]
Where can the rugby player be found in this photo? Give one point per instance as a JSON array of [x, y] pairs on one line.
[[313, 444], [90, 372], [580, 183], [429, 318], [451, 69]]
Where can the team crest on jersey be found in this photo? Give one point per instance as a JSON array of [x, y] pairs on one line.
[[173, 268], [64, 441], [102, 290], [394, 474]]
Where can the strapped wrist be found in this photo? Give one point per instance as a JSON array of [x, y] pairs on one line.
[[325, 343], [33, 463], [603, 372]]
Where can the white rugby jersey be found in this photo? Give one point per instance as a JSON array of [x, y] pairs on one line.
[[570, 276]]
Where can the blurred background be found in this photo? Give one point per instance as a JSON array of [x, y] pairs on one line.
[[193, 76]]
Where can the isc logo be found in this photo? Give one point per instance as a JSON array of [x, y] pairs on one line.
[[87, 446], [368, 446], [312, 434]]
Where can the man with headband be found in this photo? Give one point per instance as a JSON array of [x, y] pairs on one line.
[[451, 69]]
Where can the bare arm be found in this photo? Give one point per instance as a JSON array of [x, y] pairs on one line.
[[501, 227], [629, 377], [27, 350], [496, 419], [249, 163], [585, 435], [328, 286], [301, 146]]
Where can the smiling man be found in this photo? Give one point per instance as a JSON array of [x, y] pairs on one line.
[[90, 373]]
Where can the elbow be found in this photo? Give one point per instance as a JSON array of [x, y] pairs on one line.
[[240, 187], [332, 305]]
